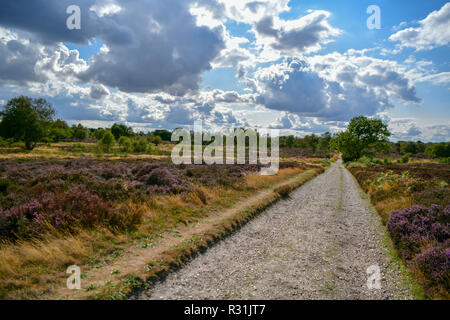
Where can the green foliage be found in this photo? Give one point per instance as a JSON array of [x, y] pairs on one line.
[[140, 146], [79, 132], [156, 140], [439, 150], [98, 133], [290, 141], [164, 134], [362, 137], [364, 162], [121, 130], [59, 130], [405, 158], [26, 119], [126, 144], [107, 141]]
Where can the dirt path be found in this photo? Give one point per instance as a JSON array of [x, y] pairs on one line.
[[317, 244]]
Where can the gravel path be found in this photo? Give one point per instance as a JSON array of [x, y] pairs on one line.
[[317, 244]]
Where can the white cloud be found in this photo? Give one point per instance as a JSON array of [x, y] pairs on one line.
[[333, 86], [294, 37], [434, 31]]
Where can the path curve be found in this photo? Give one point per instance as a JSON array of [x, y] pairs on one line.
[[317, 244]]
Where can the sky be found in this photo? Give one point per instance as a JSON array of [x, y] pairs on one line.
[[301, 66]]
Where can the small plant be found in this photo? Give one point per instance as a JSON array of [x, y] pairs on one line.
[[405, 158], [115, 272], [90, 287]]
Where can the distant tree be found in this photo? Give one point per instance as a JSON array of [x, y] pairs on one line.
[[79, 132], [362, 136], [164, 134], [311, 141], [439, 150], [290, 141], [324, 141], [411, 147], [59, 129], [157, 140], [98, 133], [26, 119], [121, 130], [107, 141]]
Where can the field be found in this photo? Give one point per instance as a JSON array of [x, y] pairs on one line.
[[65, 204], [413, 201]]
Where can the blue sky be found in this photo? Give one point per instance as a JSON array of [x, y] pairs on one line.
[[299, 66]]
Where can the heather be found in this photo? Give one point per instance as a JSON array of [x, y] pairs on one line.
[[422, 238], [414, 202], [63, 195]]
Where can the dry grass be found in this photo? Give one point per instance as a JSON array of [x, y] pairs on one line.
[[256, 181], [385, 207]]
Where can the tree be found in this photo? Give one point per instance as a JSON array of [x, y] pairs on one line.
[[121, 130], [324, 141], [290, 141], [107, 141], [59, 130], [26, 119], [98, 133], [125, 143], [411, 147], [362, 137], [439, 150], [140, 146], [311, 142], [79, 132], [156, 140], [164, 134]]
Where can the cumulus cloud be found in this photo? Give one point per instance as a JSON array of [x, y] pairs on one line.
[[410, 129], [98, 91], [303, 35], [250, 11], [147, 49], [334, 87], [434, 31]]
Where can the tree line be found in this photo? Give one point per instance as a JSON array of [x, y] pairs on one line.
[[33, 121]]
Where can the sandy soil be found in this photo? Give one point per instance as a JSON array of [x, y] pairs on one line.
[[317, 244]]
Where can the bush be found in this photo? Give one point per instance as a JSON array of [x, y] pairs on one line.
[[140, 146], [434, 264], [126, 144], [429, 196], [405, 158], [413, 227], [107, 141], [161, 179]]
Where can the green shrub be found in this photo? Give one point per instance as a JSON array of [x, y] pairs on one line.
[[107, 141], [126, 144], [405, 158], [140, 146]]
